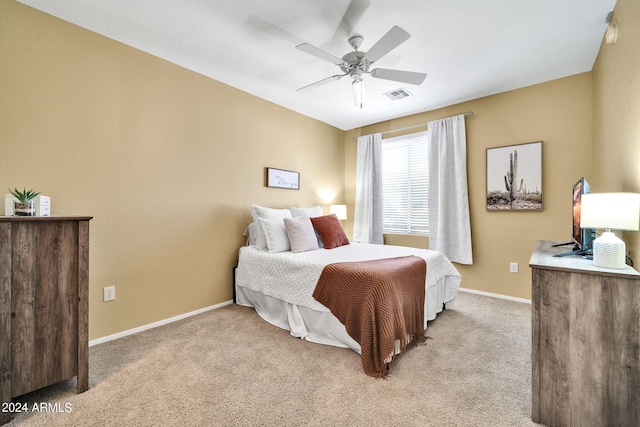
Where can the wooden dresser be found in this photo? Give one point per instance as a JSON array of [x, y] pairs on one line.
[[585, 341], [44, 280]]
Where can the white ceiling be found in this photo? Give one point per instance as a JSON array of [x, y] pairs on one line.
[[468, 48]]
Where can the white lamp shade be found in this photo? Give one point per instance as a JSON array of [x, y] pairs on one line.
[[340, 211], [613, 211]]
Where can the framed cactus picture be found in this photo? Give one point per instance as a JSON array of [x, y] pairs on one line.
[[514, 177]]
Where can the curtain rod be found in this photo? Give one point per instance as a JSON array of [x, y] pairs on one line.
[[467, 114]]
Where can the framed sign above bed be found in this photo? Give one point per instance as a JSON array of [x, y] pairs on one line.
[[279, 178]]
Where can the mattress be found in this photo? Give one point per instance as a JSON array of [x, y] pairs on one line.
[[280, 286]]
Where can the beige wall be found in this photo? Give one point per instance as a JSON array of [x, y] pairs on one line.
[[616, 112], [165, 160], [557, 113]]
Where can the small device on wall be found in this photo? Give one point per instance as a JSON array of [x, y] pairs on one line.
[[280, 178], [611, 35]]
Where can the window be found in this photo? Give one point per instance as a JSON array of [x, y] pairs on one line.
[[405, 185]]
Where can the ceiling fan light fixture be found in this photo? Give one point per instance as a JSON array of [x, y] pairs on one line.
[[356, 63], [359, 93]]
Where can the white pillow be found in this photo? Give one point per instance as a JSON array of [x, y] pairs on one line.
[[301, 234], [268, 214], [250, 233], [275, 234], [313, 212]]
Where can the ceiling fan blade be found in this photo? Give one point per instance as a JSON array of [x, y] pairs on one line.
[[320, 83], [351, 16], [312, 50], [398, 75], [395, 37]]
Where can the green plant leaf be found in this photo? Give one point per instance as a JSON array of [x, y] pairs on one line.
[[24, 195]]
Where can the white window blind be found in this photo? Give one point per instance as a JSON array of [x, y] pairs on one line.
[[405, 185]]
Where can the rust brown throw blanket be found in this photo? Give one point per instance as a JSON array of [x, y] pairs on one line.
[[379, 302]]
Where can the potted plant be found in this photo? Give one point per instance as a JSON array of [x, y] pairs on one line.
[[25, 205]]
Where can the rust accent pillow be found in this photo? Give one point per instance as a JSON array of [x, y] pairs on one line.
[[330, 231]]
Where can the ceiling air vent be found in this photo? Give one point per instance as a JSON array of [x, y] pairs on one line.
[[397, 94]]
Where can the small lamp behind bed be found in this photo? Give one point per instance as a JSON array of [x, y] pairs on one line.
[[340, 211]]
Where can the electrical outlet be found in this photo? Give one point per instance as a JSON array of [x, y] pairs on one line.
[[513, 267], [109, 293]]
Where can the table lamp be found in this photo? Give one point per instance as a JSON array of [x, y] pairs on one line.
[[610, 211], [340, 211]]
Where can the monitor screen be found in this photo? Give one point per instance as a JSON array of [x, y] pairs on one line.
[[581, 236]]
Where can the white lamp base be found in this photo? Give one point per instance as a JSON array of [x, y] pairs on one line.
[[609, 251]]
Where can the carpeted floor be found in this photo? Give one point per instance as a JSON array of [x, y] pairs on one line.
[[228, 367]]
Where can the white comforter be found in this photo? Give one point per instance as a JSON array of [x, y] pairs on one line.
[[292, 277]]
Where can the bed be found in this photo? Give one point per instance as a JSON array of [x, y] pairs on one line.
[[279, 283]]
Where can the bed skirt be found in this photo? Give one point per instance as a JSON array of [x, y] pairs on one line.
[[321, 327]]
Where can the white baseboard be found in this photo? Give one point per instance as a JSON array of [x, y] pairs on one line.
[[222, 304], [489, 294], [156, 324]]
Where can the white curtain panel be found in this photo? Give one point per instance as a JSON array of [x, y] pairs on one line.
[[367, 221], [449, 225]]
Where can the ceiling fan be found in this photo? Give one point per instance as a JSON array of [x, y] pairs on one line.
[[356, 63]]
